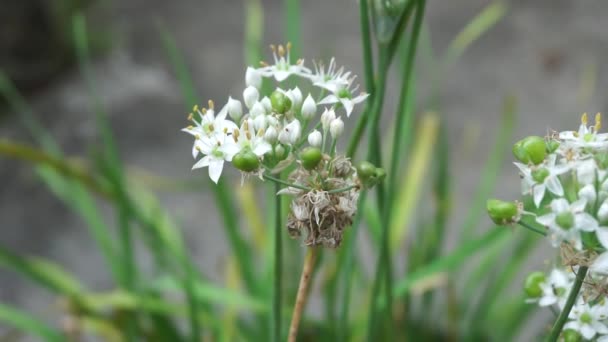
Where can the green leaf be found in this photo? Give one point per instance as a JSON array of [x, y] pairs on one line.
[[28, 324]]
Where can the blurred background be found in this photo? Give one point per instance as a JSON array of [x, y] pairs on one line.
[[547, 54]]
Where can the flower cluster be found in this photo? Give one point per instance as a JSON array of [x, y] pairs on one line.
[[565, 176], [285, 131]]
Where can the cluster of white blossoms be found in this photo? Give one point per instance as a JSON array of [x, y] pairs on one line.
[[565, 175], [283, 129]]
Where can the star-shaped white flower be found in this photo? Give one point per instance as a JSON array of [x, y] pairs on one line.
[[555, 288], [209, 125], [216, 150], [282, 67], [246, 138], [566, 221], [587, 136], [537, 179], [587, 319], [343, 94]]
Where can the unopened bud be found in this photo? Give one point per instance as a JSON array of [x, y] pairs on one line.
[[257, 110], [280, 102], [311, 156], [271, 135], [315, 138], [309, 108], [290, 133], [267, 104], [259, 122], [336, 127], [235, 109], [279, 151], [326, 118], [295, 95], [246, 161], [532, 284], [588, 193], [253, 78], [250, 96]]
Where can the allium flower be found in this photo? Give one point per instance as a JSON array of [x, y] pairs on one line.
[[566, 221], [291, 133], [340, 86], [253, 78], [587, 136], [216, 150], [586, 320], [328, 79], [246, 138], [556, 288], [537, 179], [282, 68], [209, 125], [315, 138]]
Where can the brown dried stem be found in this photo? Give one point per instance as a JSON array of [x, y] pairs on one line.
[[309, 262]]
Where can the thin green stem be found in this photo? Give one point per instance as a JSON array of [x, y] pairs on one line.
[[278, 274], [530, 227], [368, 58], [335, 191], [563, 316], [279, 181]]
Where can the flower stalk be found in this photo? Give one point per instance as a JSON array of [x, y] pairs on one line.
[[302, 296], [563, 316]]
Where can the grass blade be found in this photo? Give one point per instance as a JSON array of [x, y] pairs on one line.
[[26, 323]]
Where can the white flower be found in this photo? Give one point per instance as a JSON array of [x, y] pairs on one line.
[[555, 288], [602, 213], [282, 67], [544, 176], [587, 171], [257, 110], [326, 118], [290, 134], [251, 96], [331, 78], [216, 150], [588, 193], [336, 127], [565, 221], [247, 139], [253, 78], [235, 109], [600, 264], [271, 135], [295, 95], [586, 320], [309, 108], [315, 138], [260, 122], [267, 104], [339, 84], [587, 136], [209, 125]]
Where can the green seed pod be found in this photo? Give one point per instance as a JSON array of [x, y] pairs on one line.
[[565, 220], [280, 102], [310, 156], [502, 212], [570, 335], [532, 284], [246, 161], [530, 150], [365, 170], [540, 175], [552, 146], [379, 174]]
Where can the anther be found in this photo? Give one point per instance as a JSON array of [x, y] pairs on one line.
[[584, 119], [281, 51], [598, 122], [210, 104]]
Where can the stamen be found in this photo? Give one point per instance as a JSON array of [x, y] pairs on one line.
[[195, 108], [288, 46], [264, 64], [211, 128], [204, 110], [584, 119], [598, 122], [281, 51], [210, 104], [273, 48], [300, 61], [190, 117]]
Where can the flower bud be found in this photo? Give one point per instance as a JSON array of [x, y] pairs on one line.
[[271, 135], [531, 149], [369, 174], [315, 138], [571, 335], [253, 78], [257, 110], [250, 96], [290, 133], [336, 127], [310, 156], [267, 104], [532, 284], [326, 118], [279, 151], [309, 108], [502, 212], [588, 193], [259, 122], [602, 212], [280, 102], [539, 175], [295, 95], [235, 109], [246, 160], [366, 169]]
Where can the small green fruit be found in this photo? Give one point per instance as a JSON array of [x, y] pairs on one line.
[[502, 212], [311, 156], [532, 284], [246, 161], [552, 146], [565, 220], [365, 170], [571, 336], [280, 102], [530, 150], [540, 175]]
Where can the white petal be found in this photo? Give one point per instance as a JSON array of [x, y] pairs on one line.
[[560, 205], [578, 206], [600, 327], [348, 106], [546, 220], [554, 185], [585, 222], [215, 169], [281, 76], [202, 163], [539, 193], [574, 325], [587, 331], [262, 148], [546, 301], [602, 236], [600, 265], [329, 99]]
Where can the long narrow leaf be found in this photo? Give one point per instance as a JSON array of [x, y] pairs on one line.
[[28, 324]]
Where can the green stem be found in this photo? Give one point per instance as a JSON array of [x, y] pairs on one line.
[[563, 316], [335, 191], [530, 227], [278, 256], [291, 185], [368, 58]]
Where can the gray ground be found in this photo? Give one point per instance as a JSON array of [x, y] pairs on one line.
[[539, 53]]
